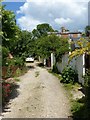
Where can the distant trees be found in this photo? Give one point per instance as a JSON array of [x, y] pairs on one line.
[[45, 44], [86, 30], [42, 30], [52, 43]]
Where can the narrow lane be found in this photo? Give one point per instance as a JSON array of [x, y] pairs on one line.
[[40, 96]]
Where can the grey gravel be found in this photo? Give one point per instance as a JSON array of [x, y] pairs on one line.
[[39, 97]]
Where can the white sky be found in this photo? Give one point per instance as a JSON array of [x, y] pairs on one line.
[[72, 14]]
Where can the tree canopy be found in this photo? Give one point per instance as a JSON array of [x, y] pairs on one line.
[[41, 30], [21, 43], [9, 27], [16, 42], [52, 43]]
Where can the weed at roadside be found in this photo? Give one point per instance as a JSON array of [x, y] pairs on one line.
[[77, 106]]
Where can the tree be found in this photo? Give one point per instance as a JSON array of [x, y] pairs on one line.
[[24, 45], [52, 43], [9, 32], [18, 43], [14, 41], [83, 47], [42, 30], [9, 27], [86, 30]]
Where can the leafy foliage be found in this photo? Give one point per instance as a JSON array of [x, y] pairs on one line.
[[9, 27], [69, 75], [24, 45], [87, 79], [7, 89], [87, 93], [83, 47], [5, 52], [42, 30], [51, 44], [78, 109], [15, 62], [14, 41]]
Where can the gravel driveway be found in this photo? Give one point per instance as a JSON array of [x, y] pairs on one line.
[[40, 96]]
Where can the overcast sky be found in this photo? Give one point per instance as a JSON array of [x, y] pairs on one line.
[[72, 14]]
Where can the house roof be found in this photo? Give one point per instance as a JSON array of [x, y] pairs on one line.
[[64, 33], [74, 39]]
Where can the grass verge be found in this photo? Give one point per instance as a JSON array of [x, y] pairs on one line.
[[77, 105]]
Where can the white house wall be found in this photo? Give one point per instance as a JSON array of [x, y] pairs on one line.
[[59, 67], [79, 68], [76, 63], [63, 64], [52, 60]]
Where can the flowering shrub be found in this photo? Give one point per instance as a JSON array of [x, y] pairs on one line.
[[6, 89]]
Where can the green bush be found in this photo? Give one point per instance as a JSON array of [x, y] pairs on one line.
[[13, 67], [7, 86], [14, 62], [19, 62], [5, 53], [18, 72], [69, 75], [78, 109], [87, 92], [87, 79], [9, 72]]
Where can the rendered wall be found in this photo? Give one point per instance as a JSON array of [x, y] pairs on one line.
[[77, 64]]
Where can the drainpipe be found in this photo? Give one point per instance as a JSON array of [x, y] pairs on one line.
[[70, 46], [83, 57], [83, 64], [52, 60]]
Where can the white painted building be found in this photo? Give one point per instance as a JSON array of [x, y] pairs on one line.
[[77, 64]]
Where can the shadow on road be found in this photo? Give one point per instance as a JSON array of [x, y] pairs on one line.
[[31, 67], [40, 64], [14, 94]]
